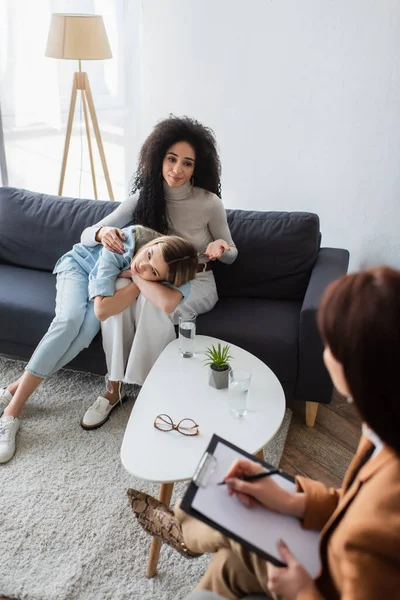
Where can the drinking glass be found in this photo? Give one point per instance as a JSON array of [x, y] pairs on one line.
[[187, 333], [239, 384]]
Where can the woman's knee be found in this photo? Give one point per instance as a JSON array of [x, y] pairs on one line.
[[220, 572], [68, 324], [227, 575], [199, 301], [88, 332], [224, 557]]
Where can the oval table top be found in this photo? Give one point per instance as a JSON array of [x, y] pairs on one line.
[[179, 387]]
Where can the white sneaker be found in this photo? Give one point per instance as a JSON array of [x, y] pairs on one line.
[[100, 411], [8, 432], [5, 398]]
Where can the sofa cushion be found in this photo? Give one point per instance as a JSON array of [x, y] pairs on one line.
[[27, 304], [269, 329], [27, 300], [276, 253], [36, 229]]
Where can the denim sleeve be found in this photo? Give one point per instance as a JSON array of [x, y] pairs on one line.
[[103, 275], [183, 289]]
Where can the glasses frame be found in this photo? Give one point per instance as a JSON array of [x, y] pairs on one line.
[[175, 427]]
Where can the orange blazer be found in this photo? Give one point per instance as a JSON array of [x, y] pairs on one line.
[[360, 529]]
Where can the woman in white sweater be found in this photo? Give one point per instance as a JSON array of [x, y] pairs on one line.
[[176, 190]]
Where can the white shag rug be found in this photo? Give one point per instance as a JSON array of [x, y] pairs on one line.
[[67, 531]]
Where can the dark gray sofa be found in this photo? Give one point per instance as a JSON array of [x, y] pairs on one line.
[[268, 297]]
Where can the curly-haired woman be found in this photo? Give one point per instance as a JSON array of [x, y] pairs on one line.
[[176, 190], [86, 295]]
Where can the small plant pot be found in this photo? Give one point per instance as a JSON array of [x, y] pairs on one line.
[[219, 378]]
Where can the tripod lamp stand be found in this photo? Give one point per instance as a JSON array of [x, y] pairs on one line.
[[80, 37]]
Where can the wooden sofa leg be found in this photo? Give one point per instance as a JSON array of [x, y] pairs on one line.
[[311, 413]]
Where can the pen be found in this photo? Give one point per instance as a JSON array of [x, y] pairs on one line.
[[255, 476]]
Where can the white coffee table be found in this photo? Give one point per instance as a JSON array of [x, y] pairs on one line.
[[179, 387]]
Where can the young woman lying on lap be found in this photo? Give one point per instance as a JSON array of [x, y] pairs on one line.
[[160, 270]]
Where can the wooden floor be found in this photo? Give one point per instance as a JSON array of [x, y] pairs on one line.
[[324, 451]]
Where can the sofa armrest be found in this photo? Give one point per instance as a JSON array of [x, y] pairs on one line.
[[313, 381]]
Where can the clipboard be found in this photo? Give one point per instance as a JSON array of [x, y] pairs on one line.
[[258, 529]]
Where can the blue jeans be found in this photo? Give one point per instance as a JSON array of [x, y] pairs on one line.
[[72, 329]]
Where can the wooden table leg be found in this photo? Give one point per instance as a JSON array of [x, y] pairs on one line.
[[165, 497], [260, 454]]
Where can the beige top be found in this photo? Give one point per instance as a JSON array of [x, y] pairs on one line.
[[195, 214]]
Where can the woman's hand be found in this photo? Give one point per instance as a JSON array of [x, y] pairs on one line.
[[216, 248], [111, 238], [291, 580], [262, 491]]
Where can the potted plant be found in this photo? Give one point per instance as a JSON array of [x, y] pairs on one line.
[[218, 357]]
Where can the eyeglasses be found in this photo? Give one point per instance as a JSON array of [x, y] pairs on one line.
[[185, 426]]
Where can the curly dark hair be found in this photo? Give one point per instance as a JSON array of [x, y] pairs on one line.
[[151, 210]]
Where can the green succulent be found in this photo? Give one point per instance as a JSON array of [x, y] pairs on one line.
[[218, 357]]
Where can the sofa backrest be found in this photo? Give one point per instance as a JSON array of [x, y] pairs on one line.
[[277, 251], [36, 229]]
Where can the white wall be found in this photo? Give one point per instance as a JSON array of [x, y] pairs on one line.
[[132, 39], [304, 97]]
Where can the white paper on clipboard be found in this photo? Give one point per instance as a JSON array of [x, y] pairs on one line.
[[258, 526]]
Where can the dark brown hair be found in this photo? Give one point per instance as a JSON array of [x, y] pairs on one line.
[[359, 319], [151, 210]]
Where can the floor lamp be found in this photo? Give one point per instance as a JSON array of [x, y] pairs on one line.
[[80, 37]]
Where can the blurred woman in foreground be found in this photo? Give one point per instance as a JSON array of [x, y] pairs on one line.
[[359, 321]]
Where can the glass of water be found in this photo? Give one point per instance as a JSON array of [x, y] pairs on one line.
[[239, 384], [187, 333]]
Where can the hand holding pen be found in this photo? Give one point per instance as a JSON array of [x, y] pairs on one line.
[[255, 476], [253, 486]]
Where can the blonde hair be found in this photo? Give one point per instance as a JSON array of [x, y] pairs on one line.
[[179, 254]]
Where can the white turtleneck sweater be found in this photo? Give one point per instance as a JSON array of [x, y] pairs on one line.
[[195, 214]]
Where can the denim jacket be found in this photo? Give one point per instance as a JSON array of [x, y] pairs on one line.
[[103, 266]]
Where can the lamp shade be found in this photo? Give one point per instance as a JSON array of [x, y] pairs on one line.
[[80, 37]]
